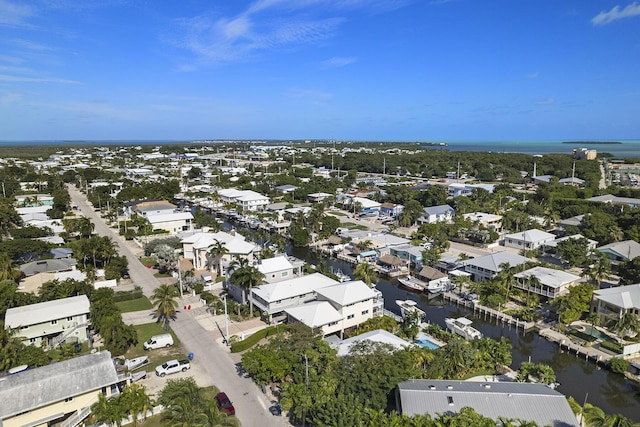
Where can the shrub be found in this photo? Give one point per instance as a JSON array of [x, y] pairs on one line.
[[252, 340], [618, 365], [127, 295], [612, 346]]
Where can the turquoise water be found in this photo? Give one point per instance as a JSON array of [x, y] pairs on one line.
[[425, 341]]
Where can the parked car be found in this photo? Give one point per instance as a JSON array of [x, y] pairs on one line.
[[472, 296], [225, 404], [172, 367], [158, 341]]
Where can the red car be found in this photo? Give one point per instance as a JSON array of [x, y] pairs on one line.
[[225, 404]]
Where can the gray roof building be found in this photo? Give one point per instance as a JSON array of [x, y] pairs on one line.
[[48, 266], [525, 401], [36, 389]]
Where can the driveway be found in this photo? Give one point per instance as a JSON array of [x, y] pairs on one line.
[[213, 360]]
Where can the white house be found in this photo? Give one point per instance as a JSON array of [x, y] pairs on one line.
[[197, 249], [433, 214], [617, 301], [491, 221], [279, 268], [173, 222], [550, 283], [247, 200], [378, 336], [51, 323], [619, 252], [529, 239], [485, 267], [273, 298]]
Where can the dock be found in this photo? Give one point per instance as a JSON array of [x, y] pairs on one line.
[[589, 353], [488, 312]]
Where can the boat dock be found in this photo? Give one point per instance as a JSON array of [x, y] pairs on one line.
[[589, 353], [478, 309]]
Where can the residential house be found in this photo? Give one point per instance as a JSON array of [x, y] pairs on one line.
[[432, 276], [434, 214], [50, 323], [410, 253], [279, 268], [390, 209], [273, 298], [48, 266], [196, 248], [459, 189], [617, 301], [378, 336], [620, 252], [246, 200], [490, 221], [286, 189], [338, 307], [505, 400], [318, 197], [615, 200], [528, 240], [550, 283], [60, 393], [148, 206], [173, 222], [488, 266], [366, 205]]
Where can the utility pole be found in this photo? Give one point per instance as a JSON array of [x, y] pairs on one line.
[[180, 277], [226, 322]]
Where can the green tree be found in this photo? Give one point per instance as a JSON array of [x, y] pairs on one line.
[[366, 272], [217, 250], [625, 324], [163, 298], [247, 277], [629, 272]]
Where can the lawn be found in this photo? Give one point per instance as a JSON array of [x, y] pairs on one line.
[[158, 356], [137, 304], [352, 226]]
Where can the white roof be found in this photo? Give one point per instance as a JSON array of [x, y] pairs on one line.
[[366, 203], [347, 293], [482, 217], [234, 244], [46, 311], [168, 217], [271, 265], [549, 277], [533, 235], [626, 297], [286, 289], [315, 313], [379, 335], [492, 261]]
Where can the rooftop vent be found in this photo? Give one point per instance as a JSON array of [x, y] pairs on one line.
[[432, 387], [450, 400], [486, 385], [449, 387]]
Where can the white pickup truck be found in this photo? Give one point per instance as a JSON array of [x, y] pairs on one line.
[[172, 367]]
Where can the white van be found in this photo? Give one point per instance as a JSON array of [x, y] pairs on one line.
[[158, 341]]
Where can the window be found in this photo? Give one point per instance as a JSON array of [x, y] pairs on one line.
[[285, 273], [68, 399], [333, 323], [32, 340], [69, 319], [365, 312], [54, 322], [351, 316]]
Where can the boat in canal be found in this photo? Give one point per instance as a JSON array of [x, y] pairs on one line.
[[409, 308], [462, 326], [411, 283]]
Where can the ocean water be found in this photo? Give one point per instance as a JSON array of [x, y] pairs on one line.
[[626, 148]]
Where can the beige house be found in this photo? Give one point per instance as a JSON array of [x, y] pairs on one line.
[[59, 394], [51, 323], [550, 283], [197, 248]]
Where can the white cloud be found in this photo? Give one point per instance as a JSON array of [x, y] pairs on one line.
[[14, 13], [22, 79], [267, 25], [11, 97], [11, 59], [312, 95], [337, 62], [546, 101], [533, 75], [604, 18]]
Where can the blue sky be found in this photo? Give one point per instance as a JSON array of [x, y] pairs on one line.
[[406, 70]]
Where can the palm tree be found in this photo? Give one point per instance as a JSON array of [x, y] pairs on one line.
[[598, 270], [217, 250], [7, 270], [364, 245], [366, 272], [136, 400], [625, 324], [247, 277], [460, 281], [164, 299], [214, 417]]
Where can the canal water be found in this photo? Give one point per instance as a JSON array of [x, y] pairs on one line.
[[579, 378]]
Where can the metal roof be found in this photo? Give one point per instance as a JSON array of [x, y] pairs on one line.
[[526, 401], [39, 387], [42, 312]]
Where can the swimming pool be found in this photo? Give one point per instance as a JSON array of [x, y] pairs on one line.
[[425, 341]]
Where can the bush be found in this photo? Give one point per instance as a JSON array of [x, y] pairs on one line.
[[618, 365], [612, 346], [127, 295], [249, 342]]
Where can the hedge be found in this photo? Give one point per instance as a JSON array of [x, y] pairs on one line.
[[127, 295], [613, 346], [253, 339]]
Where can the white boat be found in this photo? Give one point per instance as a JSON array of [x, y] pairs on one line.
[[343, 277], [462, 326], [410, 308], [136, 362], [412, 283], [439, 286], [138, 376]]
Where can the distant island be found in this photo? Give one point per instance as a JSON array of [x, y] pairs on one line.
[[592, 142]]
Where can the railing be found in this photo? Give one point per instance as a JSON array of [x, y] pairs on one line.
[[79, 416], [60, 338]]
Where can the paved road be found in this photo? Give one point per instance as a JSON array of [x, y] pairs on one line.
[[252, 407]]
